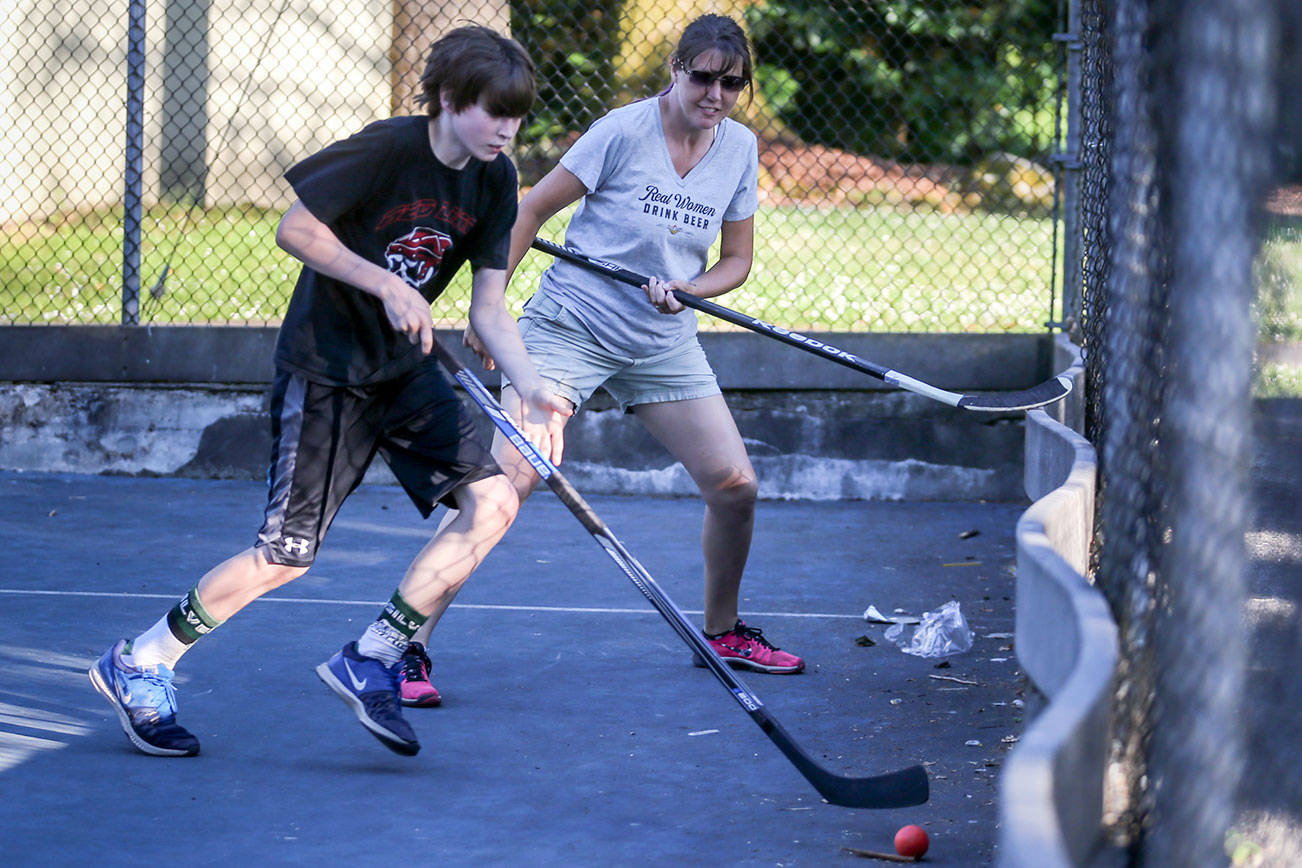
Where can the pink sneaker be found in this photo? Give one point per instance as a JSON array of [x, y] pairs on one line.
[[413, 679], [745, 647]]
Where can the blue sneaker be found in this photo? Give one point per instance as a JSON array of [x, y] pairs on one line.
[[371, 689], [145, 700]]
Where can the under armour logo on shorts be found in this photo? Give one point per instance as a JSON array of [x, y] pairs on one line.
[[296, 545]]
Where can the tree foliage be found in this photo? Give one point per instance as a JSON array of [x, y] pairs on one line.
[[912, 80], [574, 44], [927, 81]]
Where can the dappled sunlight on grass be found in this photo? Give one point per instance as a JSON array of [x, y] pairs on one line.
[[815, 269]]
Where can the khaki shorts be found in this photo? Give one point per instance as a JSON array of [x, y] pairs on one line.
[[575, 365]]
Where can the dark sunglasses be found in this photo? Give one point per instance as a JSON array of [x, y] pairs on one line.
[[703, 78]]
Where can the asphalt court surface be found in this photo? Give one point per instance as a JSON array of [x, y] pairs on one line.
[[575, 730]]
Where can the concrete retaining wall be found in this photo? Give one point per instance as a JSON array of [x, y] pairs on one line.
[[1051, 801], [190, 401], [819, 445]]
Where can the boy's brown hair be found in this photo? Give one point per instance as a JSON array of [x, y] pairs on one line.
[[474, 63]]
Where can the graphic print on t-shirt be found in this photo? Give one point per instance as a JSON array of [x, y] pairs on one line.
[[415, 257], [679, 210]]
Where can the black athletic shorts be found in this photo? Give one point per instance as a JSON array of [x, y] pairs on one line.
[[324, 437]]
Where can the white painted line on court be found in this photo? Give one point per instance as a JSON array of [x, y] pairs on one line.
[[577, 610]]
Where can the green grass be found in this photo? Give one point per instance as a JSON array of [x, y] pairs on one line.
[[882, 270], [1279, 305], [1279, 281], [836, 270], [852, 270], [223, 267], [1277, 381]]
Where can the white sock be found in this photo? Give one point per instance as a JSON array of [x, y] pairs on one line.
[[156, 646], [383, 642]]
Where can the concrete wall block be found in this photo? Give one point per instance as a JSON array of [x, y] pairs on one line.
[[1051, 791], [820, 445], [812, 427], [808, 477], [1070, 411], [743, 361], [111, 429], [1049, 456], [1048, 643], [883, 426], [1051, 802]]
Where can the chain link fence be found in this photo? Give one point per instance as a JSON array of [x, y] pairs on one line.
[[905, 147], [1178, 106]]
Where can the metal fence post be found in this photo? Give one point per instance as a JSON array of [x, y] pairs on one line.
[[1069, 165], [131, 199]]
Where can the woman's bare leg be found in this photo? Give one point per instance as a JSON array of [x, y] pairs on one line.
[[702, 435]]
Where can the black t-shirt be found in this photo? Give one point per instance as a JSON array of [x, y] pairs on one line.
[[389, 199]]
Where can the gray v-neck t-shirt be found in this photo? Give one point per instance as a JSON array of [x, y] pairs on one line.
[[639, 214]]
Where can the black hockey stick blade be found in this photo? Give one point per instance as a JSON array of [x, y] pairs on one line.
[[892, 790], [1047, 392], [897, 789]]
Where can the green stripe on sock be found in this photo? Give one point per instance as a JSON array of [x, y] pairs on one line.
[[197, 605], [399, 615], [188, 619]]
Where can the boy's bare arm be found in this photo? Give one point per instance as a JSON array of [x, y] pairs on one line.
[[556, 190], [544, 411], [303, 236]]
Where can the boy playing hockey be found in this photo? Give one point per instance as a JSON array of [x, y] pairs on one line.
[[382, 222]]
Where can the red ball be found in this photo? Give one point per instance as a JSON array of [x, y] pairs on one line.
[[911, 841]]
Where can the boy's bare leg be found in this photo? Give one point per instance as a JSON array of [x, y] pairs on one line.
[[223, 591], [239, 580], [136, 676], [485, 510], [366, 674], [521, 476], [702, 435], [516, 469]]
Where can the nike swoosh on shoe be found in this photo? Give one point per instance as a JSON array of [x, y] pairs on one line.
[[359, 686]]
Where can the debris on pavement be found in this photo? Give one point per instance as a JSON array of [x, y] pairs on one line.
[[874, 616], [939, 633]]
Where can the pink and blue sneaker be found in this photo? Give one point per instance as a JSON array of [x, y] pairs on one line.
[[745, 647], [413, 678]]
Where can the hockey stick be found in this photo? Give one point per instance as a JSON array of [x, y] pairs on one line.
[[1037, 396], [893, 790]]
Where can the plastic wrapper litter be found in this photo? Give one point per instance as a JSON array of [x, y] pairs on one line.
[[939, 633]]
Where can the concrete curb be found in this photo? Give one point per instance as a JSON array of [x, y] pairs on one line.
[[1051, 799]]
